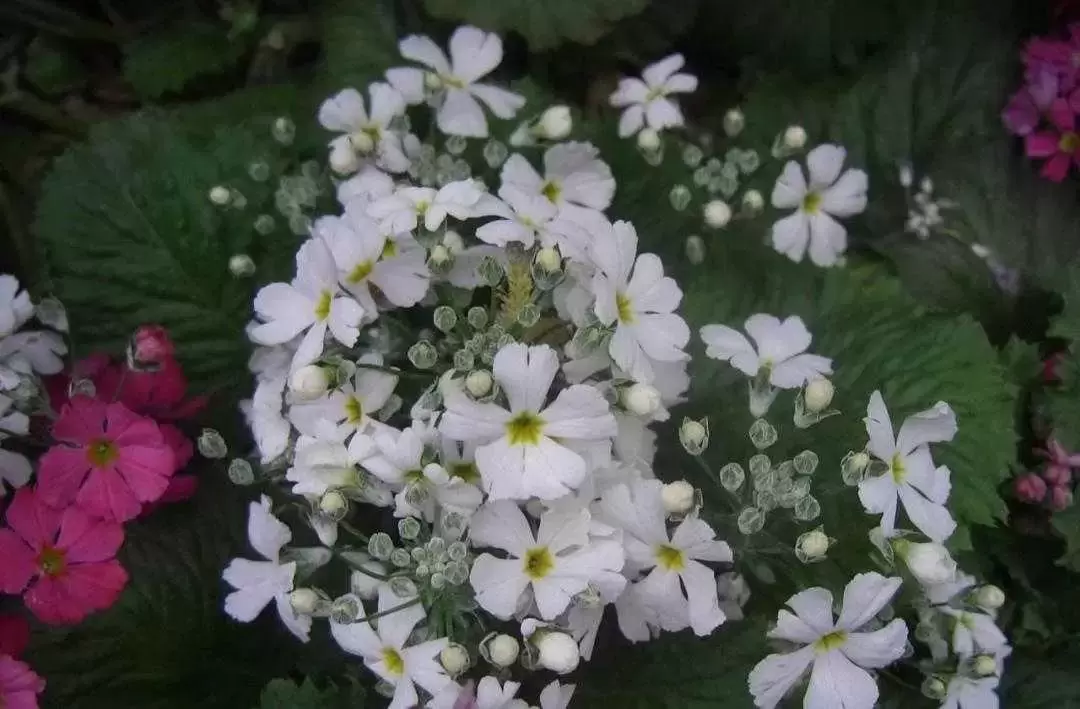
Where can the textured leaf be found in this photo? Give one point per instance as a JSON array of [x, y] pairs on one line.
[[1067, 523], [169, 61], [1067, 323], [543, 24], [359, 42], [1042, 682], [286, 694]]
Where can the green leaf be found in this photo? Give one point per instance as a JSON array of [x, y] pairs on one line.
[[359, 42], [1067, 324], [1067, 524], [171, 60], [543, 24], [1042, 682], [286, 694]]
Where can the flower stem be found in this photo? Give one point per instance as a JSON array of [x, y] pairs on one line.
[[400, 607], [353, 531]]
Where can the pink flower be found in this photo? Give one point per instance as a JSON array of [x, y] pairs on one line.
[[19, 685], [1027, 106], [151, 346], [1061, 462], [1061, 147], [109, 460], [1030, 488], [161, 394], [1060, 498], [62, 561], [14, 635]]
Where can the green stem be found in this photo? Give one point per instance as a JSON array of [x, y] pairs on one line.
[[400, 607], [363, 570], [395, 372], [353, 531]]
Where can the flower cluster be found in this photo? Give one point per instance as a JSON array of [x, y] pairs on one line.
[[1053, 485], [1043, 111], [482, 366]]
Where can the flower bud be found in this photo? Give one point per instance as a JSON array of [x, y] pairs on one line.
[[989, 597], [679, 498], [794, 138], [648, 139], [440, 256], [907, 176], [818, 395], [928, 562], [695, 249], [717, 214], [641, 399], [812, 546], [734, 122], [1030, 488], [241, 265], [694, 435], [753, 202], [151, 346], [309, 382], [934, 688], [555, 123], [283, 130], [1060, 498], [984, 666], [453, 242], [362, 142], [304, 601], [502, 650], [1057, 475], [211, 444], [479, 383], [220, 195], [334, 505], [549, 259], [343, 161], [558, 652], [454, 659]]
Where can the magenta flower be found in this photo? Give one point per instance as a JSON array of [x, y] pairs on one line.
[[1025, 109], [19, 685], [1061, 147], [109, 460], [1060, 463], [1030, 488], [63, 562]]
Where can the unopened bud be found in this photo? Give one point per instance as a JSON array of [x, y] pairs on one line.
[[695, 249], [734, 122], [478, 383], [150, 347], [812, 546], [648, 140], [283, 130], [309, 382], [717, 214], [984, 666], [241, 265], [344, 161], [558, 652], [502, 650], [818, 395], [454, 659], [794, 138], [334, 505], [989, 597], [641, 399], [555, 123], [928, 562], [907, 176], [753, 203], [694, 435], [211, 444], [440, 256], [679, 498], [304, 601], [362, 142], [453, 242], [549, 259], [220, 195], [934, 688]]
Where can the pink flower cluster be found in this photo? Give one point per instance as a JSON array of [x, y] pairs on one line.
[[1053, 486], [115, 455], [1044, 110]]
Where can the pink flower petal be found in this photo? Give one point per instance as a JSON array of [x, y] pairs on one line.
[[106, 494], [146, 470], [87, 539], [1056, 168], [14, 635], [61, 472], [179, 443], [20, 563], [1061, 115], [81, 421], [1041, 145], [19, 685], [119, 419], [82, 589], [32, 519]]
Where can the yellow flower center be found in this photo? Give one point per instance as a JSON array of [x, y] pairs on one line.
[[524, 429], [465, 471], [389, 249], [538, 563], [669, 558], [1069, 142], [52, 561], [361, 271], [896, 467], [625, 308], [322, 308], [354, 410], [102, 453], [655, 93], [551, 190], [395, 664], [831, 641], [452, 81], [811, 203]]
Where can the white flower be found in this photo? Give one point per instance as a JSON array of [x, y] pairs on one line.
[[258, 583], [640, 301], [364, 135], [781, 350], [312, 304], [365, 256], [828, 195], [975, 633], [403, 210], [523, 451], [352, 405], [263, 412], [35, 350], [839, 653], [678, 590], [646, 100], [365, 187], [382, 644], [488, 693], [930, 563], [15, 305], [15, 469], [911, 477], [473, 55], [575, 180], [550, 566], [971, 693], [525, 218]]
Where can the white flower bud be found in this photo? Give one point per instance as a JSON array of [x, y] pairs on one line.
[[907, 177], [344, 161], [549, 259], [648, 139], [641, 399], [220, 195], [694, 436], [503, 650], [679, 498], [555, 123], [989, 597], [980, 250], [695, 249], [734, 122], [928, 562], [558, 652], [818, 395], [984, 666], [333, 504], [753, 202], [794, 138], [440, 255], [362, 142], [454, 659], [241, 265], [926, 185], [453, 242], [304, 601], [717, 214], [309, 382], [812, 545], [479, 383], [934, 688]]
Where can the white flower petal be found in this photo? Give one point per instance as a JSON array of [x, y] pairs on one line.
[[931, 518], [824, 164], [864, 597], [919, 472], [935, 425], [778, 340], [298, 625], [409, 82], [631, 121], [773, 677], [681, 84], [474, 53], [837, 683], [795, 372], [790, 188], [502, 525], [814, 606], [630, 91], [460, 114], [525, 373], [729, 345], [697, 540], [504, 104], [657, 73], [791, 235], [879, 648], [266, 532], [848, 196], [879, 428], [879, 496], [504, 231], [828, 240], [661, 113], [421, 49], [579, 412], [794, 629], [520, 173], [499, 584], [343, 112], [703, 602], [468, 420]]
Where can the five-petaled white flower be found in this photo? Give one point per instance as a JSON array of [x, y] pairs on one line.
[[976, 633], [15, 305], [971, 693], [911, 477], [258, 583], [575, 180], [639, 300], [473, 55], [828, 195], [525, 217], [364, 136], [554, 564], [409, 206], [646, 100], [780, 351], [839, 653], [382, 643], [525, 451], [352, 405], [366, 186], [677, 590], [312, 304]]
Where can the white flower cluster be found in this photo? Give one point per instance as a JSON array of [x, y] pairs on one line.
[[458, 387], [25, 355]]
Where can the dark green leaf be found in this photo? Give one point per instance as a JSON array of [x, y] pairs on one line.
[[170, 60], [359, 42], [1067, 523], [286, 694]]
